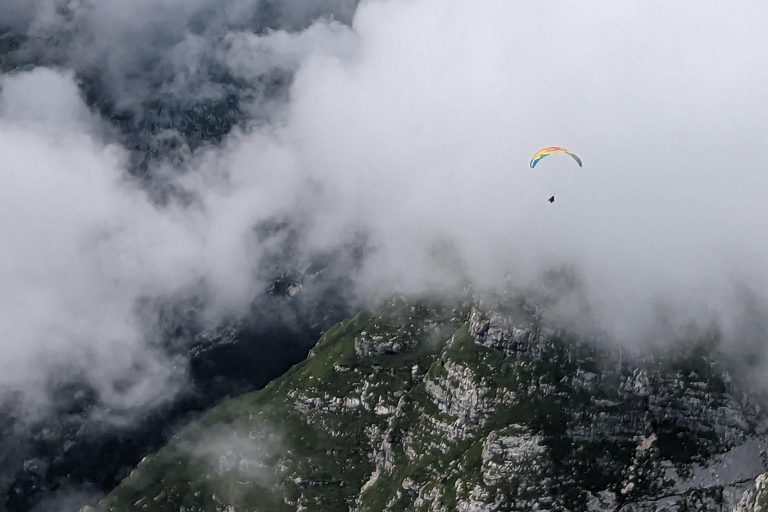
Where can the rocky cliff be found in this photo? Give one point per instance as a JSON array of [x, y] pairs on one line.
[[433, 406]]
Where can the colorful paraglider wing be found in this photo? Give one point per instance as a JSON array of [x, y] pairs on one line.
[[549, 151]]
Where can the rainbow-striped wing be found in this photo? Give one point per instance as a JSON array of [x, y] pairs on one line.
[[550, 151]]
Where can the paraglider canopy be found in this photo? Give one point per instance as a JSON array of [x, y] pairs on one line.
[[551, 151]]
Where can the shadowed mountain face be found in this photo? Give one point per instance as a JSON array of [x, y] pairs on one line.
[[69, 454]]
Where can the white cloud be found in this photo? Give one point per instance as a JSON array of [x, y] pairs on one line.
[[81, 245], [415, 126], [427, 131]]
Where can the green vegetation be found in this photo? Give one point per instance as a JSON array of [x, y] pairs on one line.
[[408, 408]]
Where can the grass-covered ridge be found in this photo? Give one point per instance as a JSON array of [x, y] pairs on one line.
[[431, 405]]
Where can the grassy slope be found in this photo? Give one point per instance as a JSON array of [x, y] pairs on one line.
[[316, 452], [331, 456]]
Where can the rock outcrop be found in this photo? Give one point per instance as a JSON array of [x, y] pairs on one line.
[[440, 407]]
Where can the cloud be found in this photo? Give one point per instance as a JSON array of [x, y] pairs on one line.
[[82, 246], [246, 458], [413, 126], [403, 131], [424, 134], [88, 245]]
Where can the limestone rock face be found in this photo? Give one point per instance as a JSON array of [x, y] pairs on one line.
[[435, 406], [756, 499]]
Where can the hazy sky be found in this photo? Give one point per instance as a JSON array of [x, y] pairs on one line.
[[415, 126]]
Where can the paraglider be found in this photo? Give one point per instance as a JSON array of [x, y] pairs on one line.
[[550, 151]]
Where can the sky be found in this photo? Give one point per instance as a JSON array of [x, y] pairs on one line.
[[411, 122]]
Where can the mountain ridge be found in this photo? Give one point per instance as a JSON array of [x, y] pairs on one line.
[[455, 406]]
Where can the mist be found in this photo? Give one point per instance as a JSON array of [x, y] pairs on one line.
[[407, 125], [420, 138]]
